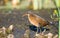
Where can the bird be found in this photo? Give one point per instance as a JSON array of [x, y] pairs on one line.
[[36, 20]]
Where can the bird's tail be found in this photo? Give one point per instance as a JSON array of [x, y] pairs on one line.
[[53, 24]]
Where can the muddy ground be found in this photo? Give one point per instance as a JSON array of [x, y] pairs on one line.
[[20, 23]]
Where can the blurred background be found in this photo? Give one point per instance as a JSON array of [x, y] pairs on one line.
[[30, 4], [11, 12]]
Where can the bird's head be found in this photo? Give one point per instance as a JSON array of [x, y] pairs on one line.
[[26, 14]]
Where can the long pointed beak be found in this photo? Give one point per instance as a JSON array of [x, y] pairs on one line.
[[24, 15]]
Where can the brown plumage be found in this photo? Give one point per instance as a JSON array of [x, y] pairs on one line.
[[36, 20]]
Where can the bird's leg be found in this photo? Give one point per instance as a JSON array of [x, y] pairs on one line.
[[37, 30], [37, 33], [40, 29], [43, 32]]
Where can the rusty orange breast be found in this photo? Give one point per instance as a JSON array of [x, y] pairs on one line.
[[32, 20]]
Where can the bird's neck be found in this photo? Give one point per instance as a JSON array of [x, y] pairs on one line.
[[30, 16]]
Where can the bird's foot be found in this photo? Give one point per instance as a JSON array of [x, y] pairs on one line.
[[37, 34]]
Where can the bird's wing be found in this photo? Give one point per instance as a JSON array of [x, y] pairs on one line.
[[41, 21]]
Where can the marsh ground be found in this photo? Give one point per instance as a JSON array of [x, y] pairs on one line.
[[14, 17]]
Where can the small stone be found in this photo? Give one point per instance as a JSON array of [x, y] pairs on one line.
[[50, 35], [10, 36], [40, 36], [27, 34], [56, 36], [4, 30], [10, 27]]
